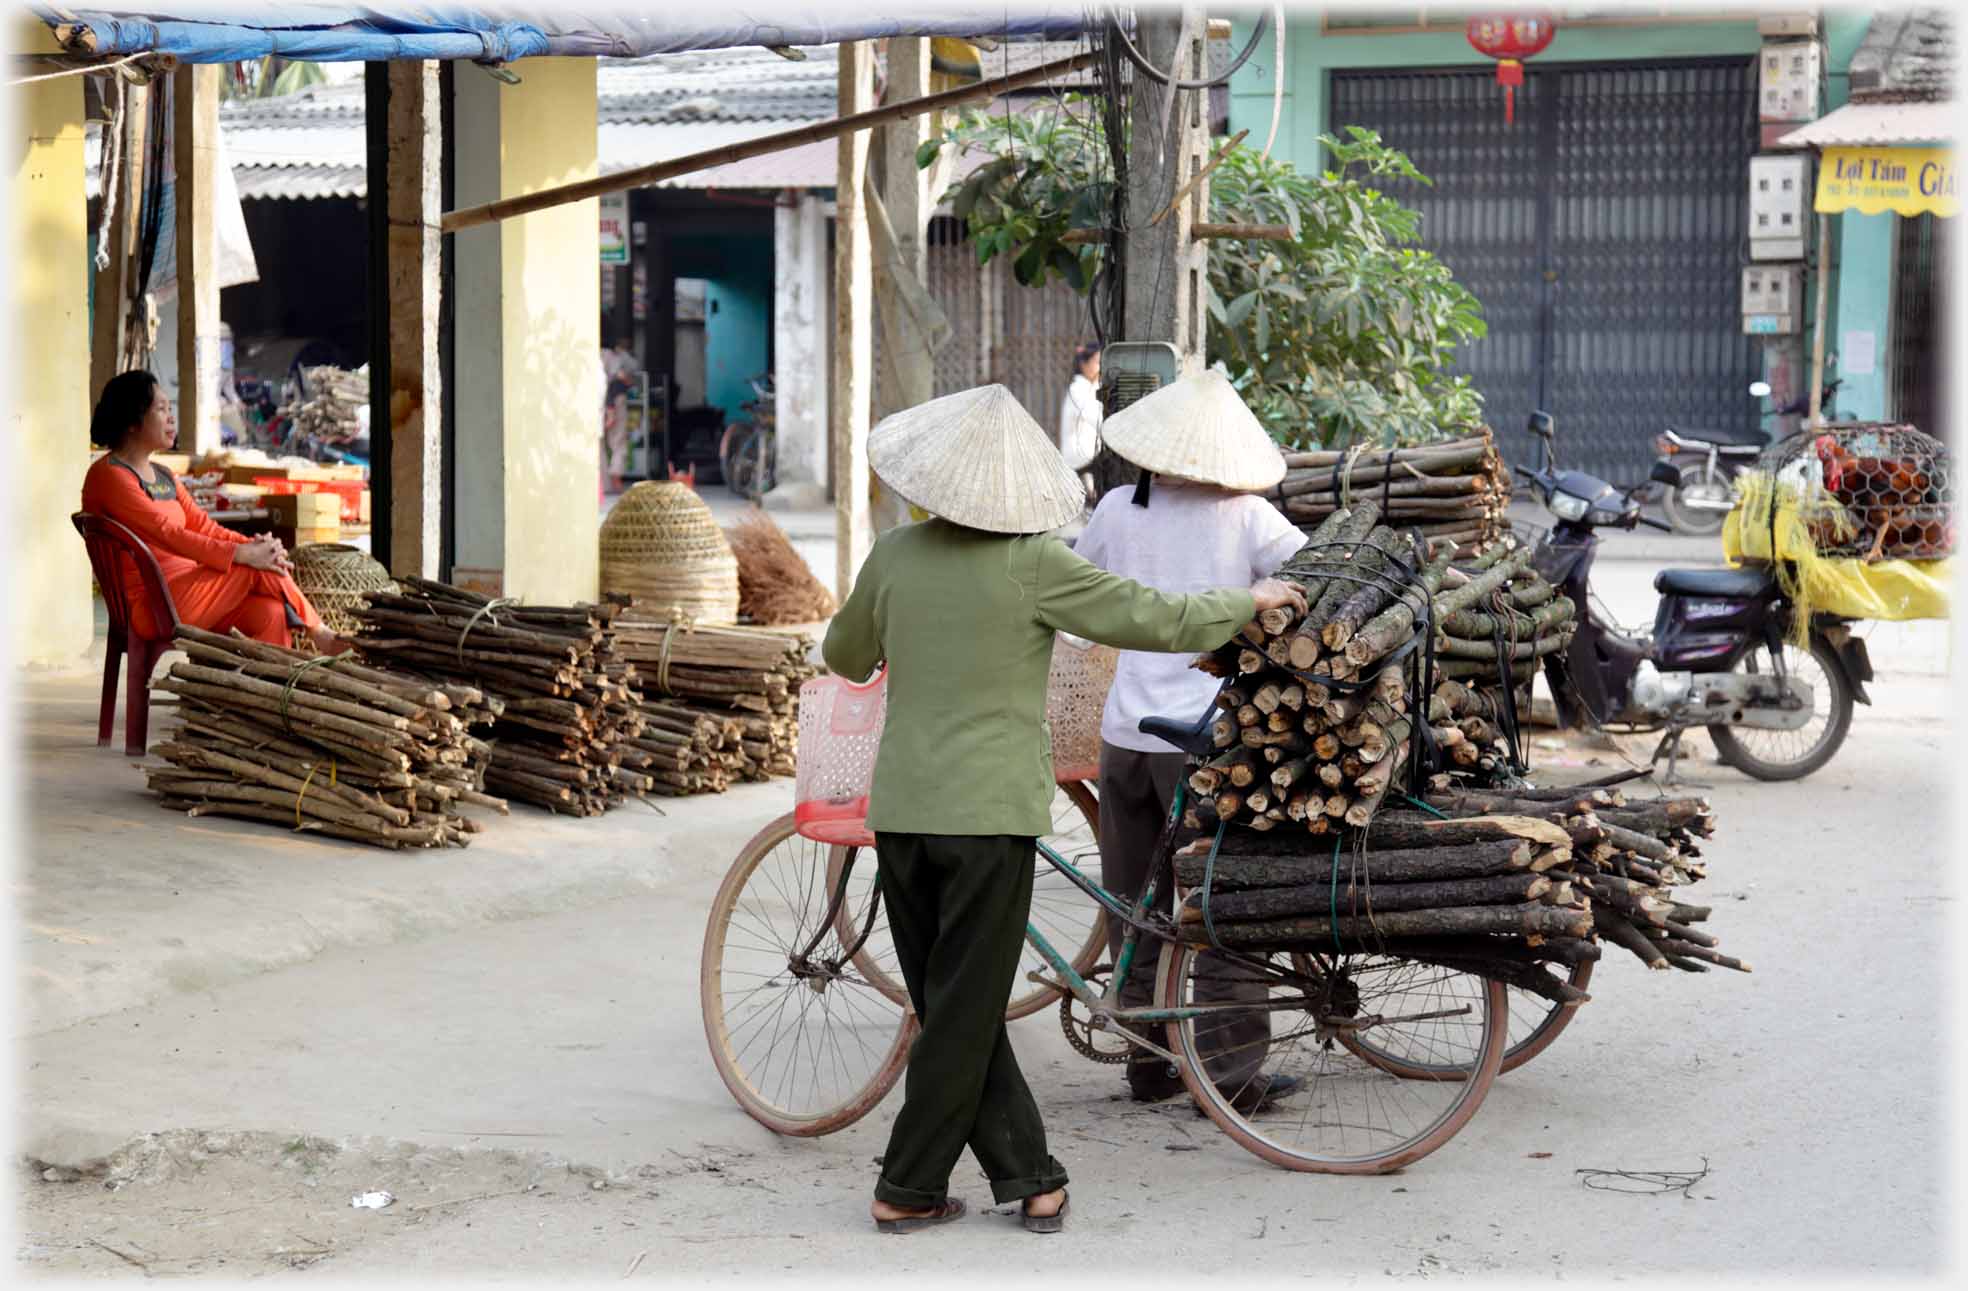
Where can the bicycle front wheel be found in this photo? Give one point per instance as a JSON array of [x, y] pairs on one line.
[[801, 1038], [1264, 1060]]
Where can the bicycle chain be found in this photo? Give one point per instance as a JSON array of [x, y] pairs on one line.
[[1080, 1034]]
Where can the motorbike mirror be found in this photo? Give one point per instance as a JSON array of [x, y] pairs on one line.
[[1666, 473], [1541, 425], [1759, 389]]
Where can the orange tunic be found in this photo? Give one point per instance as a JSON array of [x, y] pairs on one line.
[[195, 552]]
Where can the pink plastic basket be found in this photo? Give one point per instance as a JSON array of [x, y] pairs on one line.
[[840, 727]]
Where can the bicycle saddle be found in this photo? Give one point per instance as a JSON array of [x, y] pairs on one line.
[[1192, 737]]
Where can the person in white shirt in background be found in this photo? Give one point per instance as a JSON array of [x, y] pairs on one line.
[[1080, 415], [1193, 522]]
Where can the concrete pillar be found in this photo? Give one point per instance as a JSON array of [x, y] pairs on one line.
[[800, 326], [416, 397], [528, 365], [47, 569], [850, 404], [195, 153], [906, 357]]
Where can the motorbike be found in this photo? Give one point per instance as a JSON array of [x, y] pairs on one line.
[[1710, 460], [1719, 655]]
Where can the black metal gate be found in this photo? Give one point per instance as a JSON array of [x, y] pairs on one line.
[[1919, 365], [1603, 234]]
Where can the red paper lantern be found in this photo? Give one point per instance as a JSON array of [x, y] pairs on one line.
[[1510, 38]]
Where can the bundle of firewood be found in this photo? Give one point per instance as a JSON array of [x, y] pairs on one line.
[[1487, 653], [321, 744], [1458, 490], [568, 731], [724, 700], [331, 413], [1314, 731], [1502, 885]]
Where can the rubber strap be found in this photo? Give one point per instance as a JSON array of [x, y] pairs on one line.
[[301, 669], [485, 611], [1209, 881], [1414, 801]]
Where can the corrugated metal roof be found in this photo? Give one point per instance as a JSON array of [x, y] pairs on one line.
[[1860, 124], [311, 144], [1906, 54]]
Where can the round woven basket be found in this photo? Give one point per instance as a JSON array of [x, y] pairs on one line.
[[334, 576], [661, 546]]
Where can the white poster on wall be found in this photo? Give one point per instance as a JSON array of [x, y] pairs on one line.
[[614, 228], [1858, 354]]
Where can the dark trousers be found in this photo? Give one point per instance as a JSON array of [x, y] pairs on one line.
[[1136, 790], [957, 907]]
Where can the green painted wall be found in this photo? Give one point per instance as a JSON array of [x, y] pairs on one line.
[[1862, 258], [737, 269]]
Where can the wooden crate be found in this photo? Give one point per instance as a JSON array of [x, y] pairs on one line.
[[293, 537], [304, 510]]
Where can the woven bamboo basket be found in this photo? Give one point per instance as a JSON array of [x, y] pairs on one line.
[[1076, 696], [661, 546], [334, 577]]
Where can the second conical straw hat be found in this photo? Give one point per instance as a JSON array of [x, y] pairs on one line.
[[1198, 429], [977, 458]]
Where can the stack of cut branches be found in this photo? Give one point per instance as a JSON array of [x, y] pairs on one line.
[[321, 744], [1482, 624], [726, 698], [567, 736], [1316, 722], [1502, 885], [1458, 490]]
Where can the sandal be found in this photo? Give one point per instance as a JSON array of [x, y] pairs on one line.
[[1053, 1223], [951, 1208]]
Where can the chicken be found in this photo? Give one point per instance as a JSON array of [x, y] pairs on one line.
[[1879, 493]]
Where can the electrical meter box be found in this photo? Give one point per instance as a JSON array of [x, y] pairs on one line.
[[1132, 370], [1789, 75], [1773, 299], [1779, 205], [1787, 24]]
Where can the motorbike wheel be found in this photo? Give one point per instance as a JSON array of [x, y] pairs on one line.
[[1698, 480], [1792, 755]]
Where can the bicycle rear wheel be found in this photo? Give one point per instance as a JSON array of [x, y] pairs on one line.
[[1067, 916], [803, 1040], [1345, 1115], [1533, 1023]]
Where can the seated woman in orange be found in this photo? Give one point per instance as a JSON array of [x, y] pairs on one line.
[[219, 579]]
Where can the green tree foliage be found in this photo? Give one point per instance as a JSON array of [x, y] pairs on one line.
[[1345, 334]]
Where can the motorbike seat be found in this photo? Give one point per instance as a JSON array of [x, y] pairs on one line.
[[1191, 735], [1753, 437], [1731, 584]]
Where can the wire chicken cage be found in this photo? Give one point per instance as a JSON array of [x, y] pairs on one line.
[[1863, 490]]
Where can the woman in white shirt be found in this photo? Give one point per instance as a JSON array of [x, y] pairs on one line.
[[1080, 412], [1193, 523]]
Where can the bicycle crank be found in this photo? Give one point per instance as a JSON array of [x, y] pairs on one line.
[[1087, 1039]]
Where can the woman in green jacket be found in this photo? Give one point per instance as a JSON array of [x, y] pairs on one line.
[[962, 609]]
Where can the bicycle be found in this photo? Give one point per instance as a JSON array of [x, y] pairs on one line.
[[837, 1030], [747, 451]]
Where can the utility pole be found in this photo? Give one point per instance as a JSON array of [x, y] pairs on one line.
[[1163, 264]]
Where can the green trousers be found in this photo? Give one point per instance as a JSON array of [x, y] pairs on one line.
[[957, 907]]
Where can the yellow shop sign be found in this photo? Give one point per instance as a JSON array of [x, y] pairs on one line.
[[1911, 181]]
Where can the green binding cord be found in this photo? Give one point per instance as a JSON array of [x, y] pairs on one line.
[[1425, 807], [1209, 877], [1337, 948], [293, 679]]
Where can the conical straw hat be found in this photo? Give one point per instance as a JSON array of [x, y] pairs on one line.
[[1197, 429], [977, 458]]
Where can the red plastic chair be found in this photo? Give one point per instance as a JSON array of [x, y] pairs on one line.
[[109, 544]]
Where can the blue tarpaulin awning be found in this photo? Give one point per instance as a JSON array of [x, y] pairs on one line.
[[497, 33]]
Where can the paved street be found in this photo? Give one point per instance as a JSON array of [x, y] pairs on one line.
[[535, 1088]]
